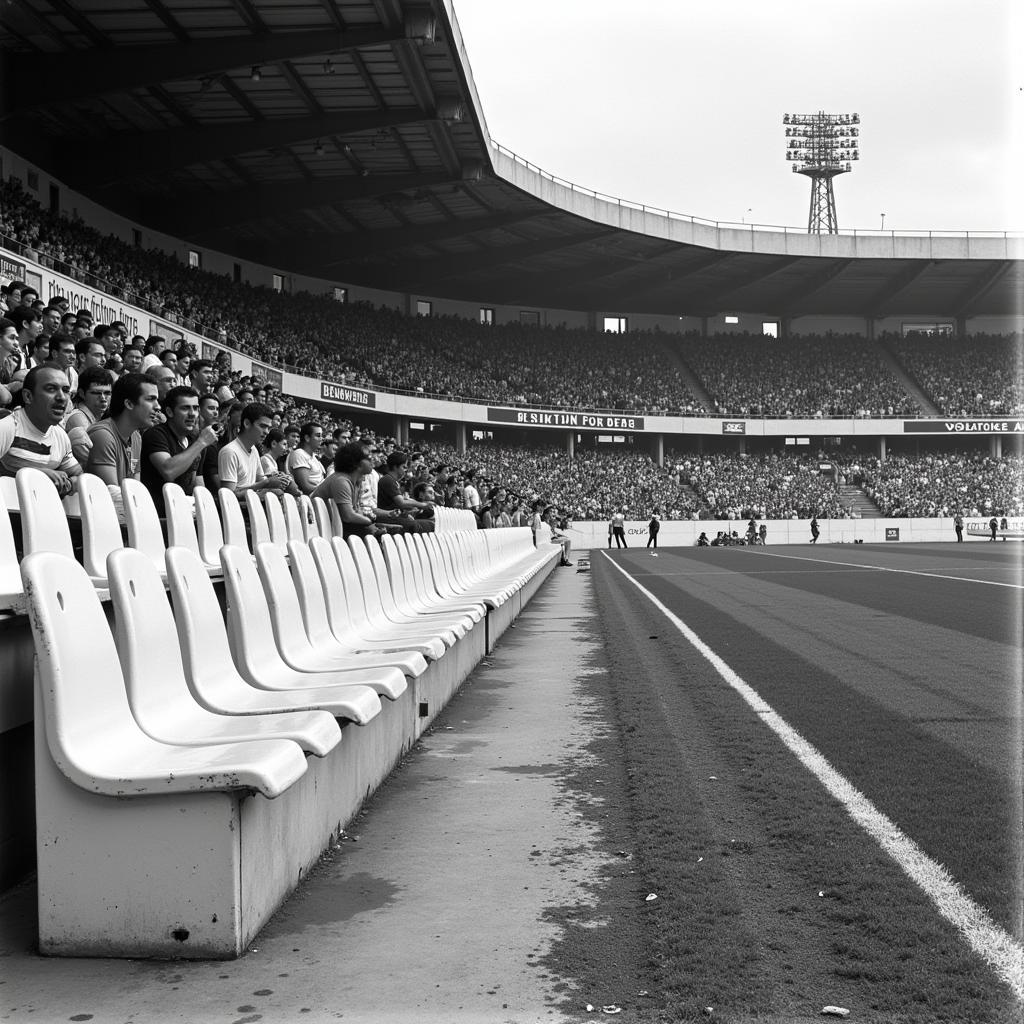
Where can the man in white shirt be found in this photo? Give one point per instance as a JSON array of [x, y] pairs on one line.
[[238, 464], [305, 468], [32, 436]]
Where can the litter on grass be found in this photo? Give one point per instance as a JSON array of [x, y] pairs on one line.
[[651, 896], [611, 1009], [835, 1011]]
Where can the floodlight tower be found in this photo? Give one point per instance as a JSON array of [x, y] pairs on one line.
[[821, 146]]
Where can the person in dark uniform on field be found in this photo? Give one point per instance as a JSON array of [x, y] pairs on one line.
[[993, 525], [815, 532], [958, 525], [762, 534], [652, 530]]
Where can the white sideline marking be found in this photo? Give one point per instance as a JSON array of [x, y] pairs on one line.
[[992, 943], [882, 568]]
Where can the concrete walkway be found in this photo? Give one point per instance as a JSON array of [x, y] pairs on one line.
[[433, 908]]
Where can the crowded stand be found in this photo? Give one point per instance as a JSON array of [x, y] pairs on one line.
[[968, 483], [767, 486], [820, 378], [976, 376]]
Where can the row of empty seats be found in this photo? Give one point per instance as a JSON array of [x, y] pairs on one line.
[[193, 762]]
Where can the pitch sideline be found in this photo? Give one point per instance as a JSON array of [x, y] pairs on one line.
[[992, 943]]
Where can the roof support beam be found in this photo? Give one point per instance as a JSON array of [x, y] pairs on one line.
[[37, 80], [876, 304], [193, 215], [964, 303], [116, 159], [803, 291]]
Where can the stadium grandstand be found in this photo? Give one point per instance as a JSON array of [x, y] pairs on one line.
[[308, 391]]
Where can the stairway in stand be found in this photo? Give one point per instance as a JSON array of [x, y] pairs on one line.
[[854, 498]]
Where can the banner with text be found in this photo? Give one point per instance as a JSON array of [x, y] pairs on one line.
[[980, 426], [10, 270], [580, 420], [342, 394], [275, 378]]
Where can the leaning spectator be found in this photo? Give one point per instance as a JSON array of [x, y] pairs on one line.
[[404, 510], [351, 464], [10, 360], [32, 435], [116, 440], [172, 450], [91, 403], [274, 452]]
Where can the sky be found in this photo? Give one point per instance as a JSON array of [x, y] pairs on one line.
[[678, 104]]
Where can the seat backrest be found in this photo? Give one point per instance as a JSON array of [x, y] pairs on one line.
[[294, 516], [307, 517], [378, 601], [363, 599], [202, 635], [337, 527], [249, 625], [9, 493], [282, 600], [146, 639], [310, 593], [101, 531], [259, 526], [44, 525], [80, 682], [397, 571], [275, 519], [143, 521], [336, 598], [323, 518], [10, 571], [181, 527], [208, 528], [235, 533]]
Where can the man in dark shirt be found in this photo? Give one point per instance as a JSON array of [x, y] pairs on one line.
[[172, 450], [391, 499]]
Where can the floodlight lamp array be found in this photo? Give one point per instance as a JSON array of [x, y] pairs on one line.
[[822, 143]]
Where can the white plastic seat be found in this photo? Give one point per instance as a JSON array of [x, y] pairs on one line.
[[323, 518], [44, 526], [144, 531], [11, 591], [254, 649], [276, 521], [338, 601], [308, 526], [313, 609], [403, 564], [158, 694], [367, 614], [101, 531], [92, 736], [181, 521], [211, 674], [369, 560], [337, 527], [209, 535], [259, 525], [9, 493], [236, 534], [293, 641], [293, 517]]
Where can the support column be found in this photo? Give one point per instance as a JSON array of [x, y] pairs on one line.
[[400, 427], [703, 326], [659, 449], [995, 446], [881, 448], [869, 327], [460, 438], [570, 444]]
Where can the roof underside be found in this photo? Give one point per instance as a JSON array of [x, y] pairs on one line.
[[338, 138]]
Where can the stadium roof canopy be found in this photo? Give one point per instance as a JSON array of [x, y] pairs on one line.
[[344, 139]]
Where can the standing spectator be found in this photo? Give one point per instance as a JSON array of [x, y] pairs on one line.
[[762, 534], [303, 465], [32, 435], [470, 495], [815, 532], [958, 525], [116, 440], [171, 451]]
